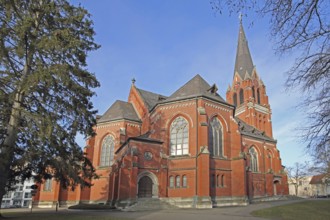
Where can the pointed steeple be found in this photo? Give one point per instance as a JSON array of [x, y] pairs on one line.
[[243, 63]]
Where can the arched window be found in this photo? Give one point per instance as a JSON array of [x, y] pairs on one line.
[[253, 159], [184, 181], [253, 93], [177, 181], [218, 181], [270, 160], [222, 180], [171, 181], [235, 99], [107, 151], [241, 96], [258, 96], [48, 185], [215, 137], [179, 136]]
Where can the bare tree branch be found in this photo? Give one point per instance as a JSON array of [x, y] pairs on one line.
[[302, 26]]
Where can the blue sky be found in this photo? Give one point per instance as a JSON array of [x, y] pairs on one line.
[[163, 44]]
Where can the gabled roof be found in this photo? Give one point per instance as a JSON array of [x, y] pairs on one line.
[[251, 131], [317, 179], [142, 138], [243, 63], [195, 87], [120, 110], [150, 98]]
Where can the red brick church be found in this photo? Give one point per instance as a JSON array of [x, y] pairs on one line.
[[190, 149]]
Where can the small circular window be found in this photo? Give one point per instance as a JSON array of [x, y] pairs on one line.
[[147, 155]]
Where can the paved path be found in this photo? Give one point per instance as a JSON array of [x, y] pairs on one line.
[[232, 213]]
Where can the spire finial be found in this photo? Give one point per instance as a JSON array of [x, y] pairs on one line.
[[133, 81], [240, 17]]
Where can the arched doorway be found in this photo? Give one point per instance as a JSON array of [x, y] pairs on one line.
[[145, 187], [276, 182]]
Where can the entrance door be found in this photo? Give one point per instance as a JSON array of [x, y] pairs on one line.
[[276, 182], [145, 187]]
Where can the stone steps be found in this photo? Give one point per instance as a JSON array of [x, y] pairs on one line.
[[149, 204]]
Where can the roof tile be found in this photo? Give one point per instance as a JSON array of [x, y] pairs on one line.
[[120, 110]]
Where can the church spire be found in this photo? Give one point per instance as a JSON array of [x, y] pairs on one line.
[[243, 63]]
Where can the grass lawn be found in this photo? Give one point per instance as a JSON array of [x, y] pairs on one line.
[[56, 216], [316, 210]]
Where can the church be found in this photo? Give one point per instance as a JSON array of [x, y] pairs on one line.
[[192, 149]]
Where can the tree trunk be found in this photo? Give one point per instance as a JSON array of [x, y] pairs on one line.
[[296, 188], [7, 150], [1, 216], [8, 146]]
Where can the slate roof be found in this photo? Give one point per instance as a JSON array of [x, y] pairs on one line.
[[317, 179], [251, 131], [143, 138], [243, 61], [195, 87], [150, 98], [120, 110], [146, 137]]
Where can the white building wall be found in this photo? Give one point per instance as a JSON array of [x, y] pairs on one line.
[[20, 196], [304, 188]]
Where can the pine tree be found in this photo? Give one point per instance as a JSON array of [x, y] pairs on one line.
[[45, 91]]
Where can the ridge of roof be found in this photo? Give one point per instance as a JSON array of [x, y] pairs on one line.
[[251, 131], [120, 110], [197, 86], [150, 98], [317, 178], [143, 138]]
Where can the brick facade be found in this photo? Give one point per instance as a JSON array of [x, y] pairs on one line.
[[192, 174]]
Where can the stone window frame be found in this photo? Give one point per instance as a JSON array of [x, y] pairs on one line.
[[171, 182], [177, 181], [235, 99], [184, 181], [48, 184], [220, 180], [179, 137], [253, 159], [241, 96], [216, 135], [107, 154]]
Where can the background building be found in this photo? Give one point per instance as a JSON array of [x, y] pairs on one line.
[[20, 196], [320, 185], [304, 187]]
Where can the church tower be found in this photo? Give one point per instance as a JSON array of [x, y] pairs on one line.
[[248, 92]]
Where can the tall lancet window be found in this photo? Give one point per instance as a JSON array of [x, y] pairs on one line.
[[258, 96], [241, 96], [179, 136], [253, 159], [253, 93], [215, 137], [107, 151], [235, 99]]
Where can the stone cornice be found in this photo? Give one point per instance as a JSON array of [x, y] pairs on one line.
[[217, 107], [240, 110]]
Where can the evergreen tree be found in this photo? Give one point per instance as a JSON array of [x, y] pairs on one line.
[[45, 91]]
